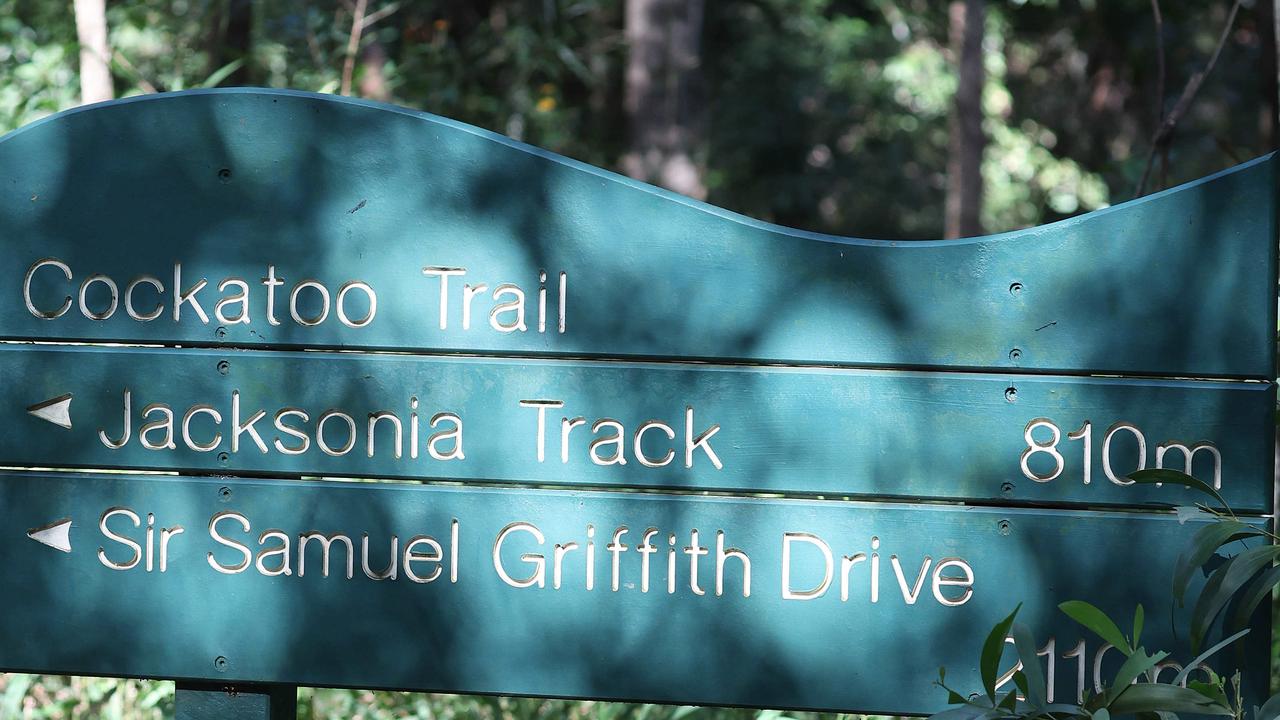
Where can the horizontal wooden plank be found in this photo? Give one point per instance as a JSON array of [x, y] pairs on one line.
[[260, 191], [700, 427], [193, 606]]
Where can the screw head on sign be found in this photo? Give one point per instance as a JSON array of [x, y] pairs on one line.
[[224, 367], [220, 663], [1011, 394], [1004, 527]]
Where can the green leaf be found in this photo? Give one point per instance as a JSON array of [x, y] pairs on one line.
[[1138, 618], [1101, 714], [222, 73], [1009, 702], [1207, 592], [1193, 512], [1020, 681], [954, 698], [992, 649], [967, 712], [14, 693], [1270, 710], [1231, 577], [1206, 542], [1136, 664], [1161, 476], [1152, 697], [1258, 590], [1186, 671], [159, 692], [1213, 691], [572, 62], [1097, 621], [1033, 677]]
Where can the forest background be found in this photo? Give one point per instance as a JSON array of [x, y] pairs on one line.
[[891, 119]]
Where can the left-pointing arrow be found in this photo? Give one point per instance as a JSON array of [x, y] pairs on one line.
[[56, 535], [55, 410]]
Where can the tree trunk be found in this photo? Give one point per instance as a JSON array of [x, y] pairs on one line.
[[231, 39], [95, 57], [1267, 87], [964, 165], [353, 46], [373, 81], [663, 94], [1272, 42]]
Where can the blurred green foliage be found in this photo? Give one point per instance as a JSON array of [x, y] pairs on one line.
[[28, 697], [339, 705], [828, 115], [48, 696]]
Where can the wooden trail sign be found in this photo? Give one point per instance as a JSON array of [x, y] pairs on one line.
[[311, 207], [789, 603], [837, 432], [323, 303]]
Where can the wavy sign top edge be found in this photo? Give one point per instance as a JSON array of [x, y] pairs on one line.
[[621, 179]]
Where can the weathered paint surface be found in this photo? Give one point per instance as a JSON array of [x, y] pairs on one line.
[[481, 634], [813, 430], [230, 183], [963, 370]]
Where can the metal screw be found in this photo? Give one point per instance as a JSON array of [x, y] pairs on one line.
[[224, 492], [1005, 488], [1015, 354], [1015, 288], [1011, 394], [1004, 527], [220, 663], [222, 458], [224, 175], [224, 367], [221, 332]]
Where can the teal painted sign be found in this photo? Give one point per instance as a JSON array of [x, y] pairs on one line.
[[277, 218], [463, 400], [705, 427], [791, 603]]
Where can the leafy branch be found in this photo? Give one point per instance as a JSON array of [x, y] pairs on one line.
[[1168, 123], [1239, 577]]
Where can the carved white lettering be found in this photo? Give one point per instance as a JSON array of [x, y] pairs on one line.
[[134, 547], [187, 296], [538, 577], [817, 591], [26, 289], [240, 298], [222, 540]]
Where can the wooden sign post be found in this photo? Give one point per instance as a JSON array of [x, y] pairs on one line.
[[330, 393]]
